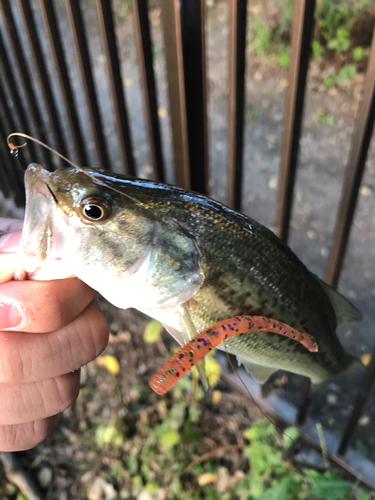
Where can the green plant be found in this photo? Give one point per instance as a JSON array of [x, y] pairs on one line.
[[347, 72], [271, 476], [317, 49], [321, 117], [358, 53], [341, 41], [270, 28], [260, 39], [253, 113]]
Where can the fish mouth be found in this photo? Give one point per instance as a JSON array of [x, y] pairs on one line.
[[37, 234]]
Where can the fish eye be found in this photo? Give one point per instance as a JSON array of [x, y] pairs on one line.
[[95, 209]]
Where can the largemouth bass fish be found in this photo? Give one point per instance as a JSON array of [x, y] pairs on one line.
[[183, 259]]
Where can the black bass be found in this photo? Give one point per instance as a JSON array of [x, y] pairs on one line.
[[183, 259]]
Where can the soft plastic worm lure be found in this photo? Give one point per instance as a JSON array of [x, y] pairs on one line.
[[192, 352]]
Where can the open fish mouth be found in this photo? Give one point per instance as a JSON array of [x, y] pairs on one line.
[[37, 242], [37, 232]]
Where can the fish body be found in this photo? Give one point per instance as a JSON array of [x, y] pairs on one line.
[[183, 259]]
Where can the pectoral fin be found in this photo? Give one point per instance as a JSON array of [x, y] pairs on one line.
[[259, 372], [176, 334]]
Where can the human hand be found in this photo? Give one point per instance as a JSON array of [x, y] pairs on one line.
[[48, 330]]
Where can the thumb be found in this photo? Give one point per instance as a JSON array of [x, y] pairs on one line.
[[9, 242]]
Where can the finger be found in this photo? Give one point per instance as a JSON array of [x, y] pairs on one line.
[[8, 258], [9, 242], [10, 225], [42, 306], [8, 262], [22, 403], [20, 437], [26, 357]]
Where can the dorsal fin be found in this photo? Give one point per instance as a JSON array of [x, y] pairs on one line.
[[344, 310]]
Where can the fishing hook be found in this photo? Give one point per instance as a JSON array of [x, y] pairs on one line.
[[14, 149]]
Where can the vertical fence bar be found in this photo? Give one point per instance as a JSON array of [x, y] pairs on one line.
[[236, 71], [171, 20], [15, 96], [145, 58], [363, 130], [50, 23], [15, 176], [24, 75], [5, 185], [303, 22], [82, 53], [360, 144], [28, 26], [10, 176], [193, 33], [237, 21], [108, 37], [362, 397]]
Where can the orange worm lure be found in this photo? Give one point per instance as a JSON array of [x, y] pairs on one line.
[[198, 347]]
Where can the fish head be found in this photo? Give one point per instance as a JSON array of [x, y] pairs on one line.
[[76, 225]]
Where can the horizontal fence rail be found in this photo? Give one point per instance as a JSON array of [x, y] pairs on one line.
[[53, 112]]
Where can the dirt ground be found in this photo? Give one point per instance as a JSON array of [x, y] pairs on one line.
[[72, 464], [323, 158]]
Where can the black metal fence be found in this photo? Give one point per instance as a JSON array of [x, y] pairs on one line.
[[39, 95]]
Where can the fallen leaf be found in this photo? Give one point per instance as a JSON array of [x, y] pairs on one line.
[[364, 420], [273, 183], [365, 191], [110, 363], [162, 112], [152, 331], [170, 438], [366, 358], [216, 397], [311, 235], [108, 435], [100, 489], [206, 478], [213, 370]]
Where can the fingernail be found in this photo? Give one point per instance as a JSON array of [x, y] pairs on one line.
[[10, 317]]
